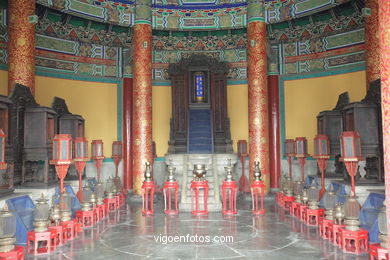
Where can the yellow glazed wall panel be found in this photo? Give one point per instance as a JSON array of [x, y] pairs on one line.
[[96, 102], [237, 105], [305, 98], [161, 115]]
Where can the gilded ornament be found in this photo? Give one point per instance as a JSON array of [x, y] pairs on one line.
[[386, 36], [144, 123], [21, 41]]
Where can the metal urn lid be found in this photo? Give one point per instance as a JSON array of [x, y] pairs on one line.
[[229, 171], [257, 172], [148, 172], [199, 171]]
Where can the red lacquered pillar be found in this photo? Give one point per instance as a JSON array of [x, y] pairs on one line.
[[127, 133], [21, 44], [142, 92], [372, 42], [257, 90], [274, 130]]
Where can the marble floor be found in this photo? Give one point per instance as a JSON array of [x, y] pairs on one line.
[[126, 234]]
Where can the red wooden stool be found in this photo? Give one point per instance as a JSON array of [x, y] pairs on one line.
[[101, 211], [336, 234], [229, 197], [195, 188], [96, 214], [59, 234], [287, 200], [117, 198], [257, 192], [279, 198], [85, 218], [302, 213], [121, 199], [78, 227], [147, 192], [354, 242], [69, 229], [111, 204], [314, 216], [41, 242], [169, 188], [326, 231], [295, 209], [105, 210], [378, 253], [15, 254]]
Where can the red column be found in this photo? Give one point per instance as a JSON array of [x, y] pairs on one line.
[[127, 133], [21, 44], [274, 130], [142, 105], [258, 99], [384, 38], [372, 42]]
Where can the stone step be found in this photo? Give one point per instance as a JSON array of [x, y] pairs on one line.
[[199, 141], [200, 135], [211, 195], [199, 128], [200, 151], [211, 185], [210, 179]]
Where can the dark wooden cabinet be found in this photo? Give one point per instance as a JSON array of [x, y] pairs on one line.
[[71, 124], [68, 123], [40, 129], [364, 118], [330, 123], [21, 99]]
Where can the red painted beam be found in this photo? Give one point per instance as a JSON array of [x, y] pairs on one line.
[[127, 133], [274, 130]]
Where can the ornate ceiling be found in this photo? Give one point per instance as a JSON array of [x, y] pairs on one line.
[[190, 14], [339, 19]]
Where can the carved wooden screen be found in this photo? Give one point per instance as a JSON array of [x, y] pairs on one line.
[[180, 102], [218, 103], [179, 74]]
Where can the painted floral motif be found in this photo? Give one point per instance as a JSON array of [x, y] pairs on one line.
[[372, 42], [54, 64], [85, 50], [21, 49]]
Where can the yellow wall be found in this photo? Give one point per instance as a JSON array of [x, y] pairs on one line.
[[96, 102], [237, 102], [305, 98], [161, 115]]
